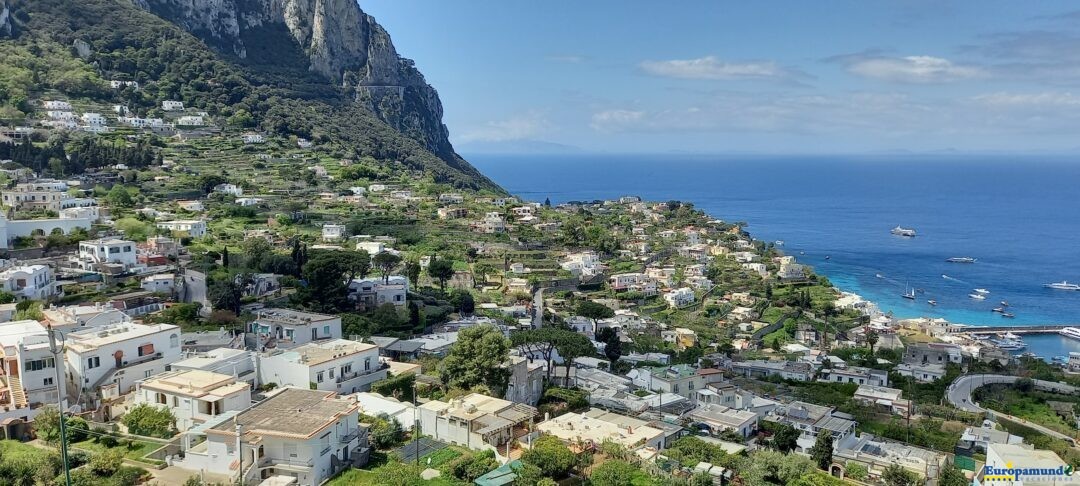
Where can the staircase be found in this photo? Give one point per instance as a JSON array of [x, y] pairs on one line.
[[18, 394]]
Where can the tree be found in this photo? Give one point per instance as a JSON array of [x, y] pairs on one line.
[[207, 182], [482, 270], [463, 301], [257, 250], [827, 311], [950, 476], [613, 473], [785, 438], [47, 424], [872, 340], [571, 346], [105, 463], [896, 475], [822, 451], [119, 197], [146, 419], [612, 344], [414, 315], [412, 271], [225, 257], [225, 294], [548, 453], [327, 274], [386, 262], [386, 432], [594, 310], [477, 358], [441, 270], [859, 472]]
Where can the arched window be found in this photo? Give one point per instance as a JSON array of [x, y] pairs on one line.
[[174, 340]]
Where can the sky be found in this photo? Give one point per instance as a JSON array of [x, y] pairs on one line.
[[628, 76]]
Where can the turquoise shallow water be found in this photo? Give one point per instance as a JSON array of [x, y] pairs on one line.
[[1018, 216]]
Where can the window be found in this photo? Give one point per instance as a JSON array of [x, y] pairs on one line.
[[48, 381], [160, 398], [175, 401], [675, 388], [93, 362], [38, 364], [319, 377], [326, 330], [148, 373], [174, 340], [367, 364], [331, 373], [346, 369]]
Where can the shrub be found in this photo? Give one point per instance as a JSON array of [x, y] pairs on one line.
[[145, 419]]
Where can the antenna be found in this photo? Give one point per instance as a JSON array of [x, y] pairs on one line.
[[56, 347]]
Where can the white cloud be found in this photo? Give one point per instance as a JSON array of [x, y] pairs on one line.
[[1047, 99], [711, 68], [616, 120], [913, 69], [520, 127]]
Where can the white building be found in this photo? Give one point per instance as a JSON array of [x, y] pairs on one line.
[[195, 228], [253, 138], [116, 356], [190, 121], [57, 105], [374, 405], [42, 194], [1023, 456], [29, 369], [230, 189], [237, 363], [596, 426], [193, 396], [103, 251], [475, 421], [922, 373], [339, 366], [162, 283], [170, 105], [680, 297], [92, 119], [308, 435], [33, 282], [373, 292], [333, 232], [720, 418], [292, 327]]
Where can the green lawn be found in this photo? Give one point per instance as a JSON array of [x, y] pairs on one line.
[[17, 450], [137, 452], [443, 456], [376, 477]]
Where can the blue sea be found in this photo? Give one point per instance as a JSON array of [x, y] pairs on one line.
[[1019, 216]]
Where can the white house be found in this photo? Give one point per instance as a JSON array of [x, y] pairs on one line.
[[720, 418], [623, 281], [373, 292], [237, 363], [29, 368], [163, 282], [92, 119], [33, 282], [190, 121], [596, 426], [333, 232], [193, 396], [93, 253], [57, 105], [292, 327], [250, 138], [170, 105], [307, 435], [230, 189], [118, 355], [475, 421], [195, 228], [339, 366], [680, 297]]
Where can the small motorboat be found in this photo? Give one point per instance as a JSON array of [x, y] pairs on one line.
[[982, 291], [827, 257], [998, 309], [977, 296], [1004, 303], [1007, 315], [931, 302]]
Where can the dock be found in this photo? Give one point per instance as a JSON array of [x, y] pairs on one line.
[[1018, 329]]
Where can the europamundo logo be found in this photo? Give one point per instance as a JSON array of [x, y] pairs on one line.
[[1018, 473]]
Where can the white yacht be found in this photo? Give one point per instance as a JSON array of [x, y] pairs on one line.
[[1062, 285], [1070, 332], [977, 296], [982, 291], [961, 260], [899, 231]]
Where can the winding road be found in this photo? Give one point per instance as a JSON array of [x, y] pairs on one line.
[[959, 394]]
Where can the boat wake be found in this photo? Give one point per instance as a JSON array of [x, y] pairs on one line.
[[954, 279]]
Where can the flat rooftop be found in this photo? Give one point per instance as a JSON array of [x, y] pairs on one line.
[[91, 339], [571, 427], [317, 353], [194, 383], [291, 413], [14, 331], [289, 316]]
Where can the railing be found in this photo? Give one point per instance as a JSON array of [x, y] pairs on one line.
[[354, 433], [289, 462], [140, 360], [355, 374]]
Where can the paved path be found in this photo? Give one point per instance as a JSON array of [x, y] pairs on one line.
[[960, 393], [538, 309]]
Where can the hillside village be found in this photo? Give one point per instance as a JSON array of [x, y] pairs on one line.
[[201, 301]]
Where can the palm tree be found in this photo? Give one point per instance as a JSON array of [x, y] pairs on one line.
[[827, 311], [872, 340]]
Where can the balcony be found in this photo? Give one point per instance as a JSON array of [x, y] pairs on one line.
[[355, 374], [139, 360], [352, 434]]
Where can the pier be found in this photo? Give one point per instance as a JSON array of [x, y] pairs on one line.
[[1018, 329]]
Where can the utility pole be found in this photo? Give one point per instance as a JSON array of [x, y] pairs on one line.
[[416, 426], [56, 346]]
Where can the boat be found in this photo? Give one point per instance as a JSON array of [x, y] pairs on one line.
[[1062, 285], [899, 231], [878, 275], [1009, 344], [1004, 303], [1059, 359], [997, 309], [977, 296], [827, 257], [961, 260], [982, 291], [1008, 315], [1028, 354], [779, 242], [910, 294], [1070, 332], [931, 302], [1013, 337]]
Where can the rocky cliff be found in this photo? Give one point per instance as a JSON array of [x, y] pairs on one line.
[[5, 19], [339, 41]]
